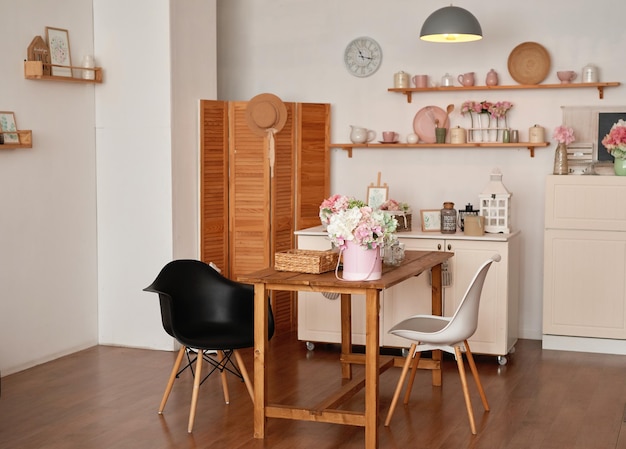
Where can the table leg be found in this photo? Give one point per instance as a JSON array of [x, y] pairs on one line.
[[372, 375], [260, 365], [437, 309], [346, 334]]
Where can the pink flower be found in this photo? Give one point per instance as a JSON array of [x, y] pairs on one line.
[[563, 134], [615, 140]]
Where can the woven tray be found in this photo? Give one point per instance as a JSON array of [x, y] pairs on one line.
[[405, 220], [306, 261]]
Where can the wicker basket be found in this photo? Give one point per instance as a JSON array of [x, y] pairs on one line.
[[306, 261], [404, 220]]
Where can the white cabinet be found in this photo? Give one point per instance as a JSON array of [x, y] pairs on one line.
[[584, 290], [318, 318], [319, 315]]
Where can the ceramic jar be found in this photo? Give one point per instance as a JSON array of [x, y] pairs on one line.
[[590, 74], [492, 78], [536, 134], [458, 135], [401, 80]]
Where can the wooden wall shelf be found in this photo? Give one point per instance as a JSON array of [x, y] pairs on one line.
[[408, 91], [26, 140], [33, 70], [530, 145]]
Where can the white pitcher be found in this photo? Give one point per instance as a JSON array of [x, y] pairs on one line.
[[361, 135]]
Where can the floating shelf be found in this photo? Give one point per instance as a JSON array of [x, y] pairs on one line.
[[530, 145], [25, 136], [33, 70], [408, 91]]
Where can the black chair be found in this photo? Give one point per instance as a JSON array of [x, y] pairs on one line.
[[205, 311]]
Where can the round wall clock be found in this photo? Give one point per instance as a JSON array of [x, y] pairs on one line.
[[363, 56]]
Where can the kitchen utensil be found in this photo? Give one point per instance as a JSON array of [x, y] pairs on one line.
[[420, 81], [566, 76], [424, 122], [361, 135], [590, 74], [492, 78], [466, 79], [447, 80], [401, 80], [529, 63]]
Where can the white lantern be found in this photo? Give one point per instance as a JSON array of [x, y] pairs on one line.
[[495, 205]]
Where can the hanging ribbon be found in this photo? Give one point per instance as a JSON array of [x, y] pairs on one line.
[[271, 151]]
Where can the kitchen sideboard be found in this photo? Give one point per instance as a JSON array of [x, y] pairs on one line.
[[584, 293], [319, 316]]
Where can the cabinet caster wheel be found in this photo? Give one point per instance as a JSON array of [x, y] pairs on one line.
[[309, 345], [502, 360], [405, 352]]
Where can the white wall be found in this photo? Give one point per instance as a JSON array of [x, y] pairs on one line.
[[82, 232], [146, 116], [295, 50], [47, 195]]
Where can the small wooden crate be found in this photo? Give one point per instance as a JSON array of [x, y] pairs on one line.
[[405, 220], [306, 261]]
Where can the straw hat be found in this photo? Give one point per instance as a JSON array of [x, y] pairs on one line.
[[264, 112]]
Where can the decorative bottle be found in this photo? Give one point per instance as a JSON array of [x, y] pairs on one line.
[[448, 218]]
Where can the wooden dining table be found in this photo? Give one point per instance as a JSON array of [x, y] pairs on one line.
[[328, 410]]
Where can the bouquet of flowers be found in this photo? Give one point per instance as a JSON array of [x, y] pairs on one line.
[[393, 205], [496, 110], [349, 219], [615, 140], [402, 213], [563, 134]]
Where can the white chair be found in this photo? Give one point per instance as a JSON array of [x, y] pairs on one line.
[[448, 334]]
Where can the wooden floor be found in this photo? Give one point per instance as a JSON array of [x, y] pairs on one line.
[[107, 397]]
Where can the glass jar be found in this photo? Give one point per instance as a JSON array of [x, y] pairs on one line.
[[448, 218]]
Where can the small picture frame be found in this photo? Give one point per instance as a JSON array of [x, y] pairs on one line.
[[7, 123], [376, 196], [60, 55], [431, 220]]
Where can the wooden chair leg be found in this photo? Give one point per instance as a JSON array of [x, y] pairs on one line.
[[244, 374], [409, 387], [196, 388], [223, 373], [468, 401], [479, 385], [170, 382], [396, 394]]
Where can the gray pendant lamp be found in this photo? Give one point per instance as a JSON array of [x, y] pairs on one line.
[[451, 24]]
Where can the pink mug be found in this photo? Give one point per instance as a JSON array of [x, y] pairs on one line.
[[420, 81], [467, 79]]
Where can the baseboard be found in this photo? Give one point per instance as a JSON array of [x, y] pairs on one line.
[[584, 344]]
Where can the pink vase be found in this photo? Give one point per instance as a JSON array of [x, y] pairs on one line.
[[361, 264]]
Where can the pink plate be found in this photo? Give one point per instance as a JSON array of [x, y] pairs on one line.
[[424, 123]]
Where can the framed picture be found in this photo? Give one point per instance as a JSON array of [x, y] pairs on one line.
[[59, 47], [376, 196], [431, 220], [7, 123]]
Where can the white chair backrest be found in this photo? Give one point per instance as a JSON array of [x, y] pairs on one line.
[[465, 320]]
